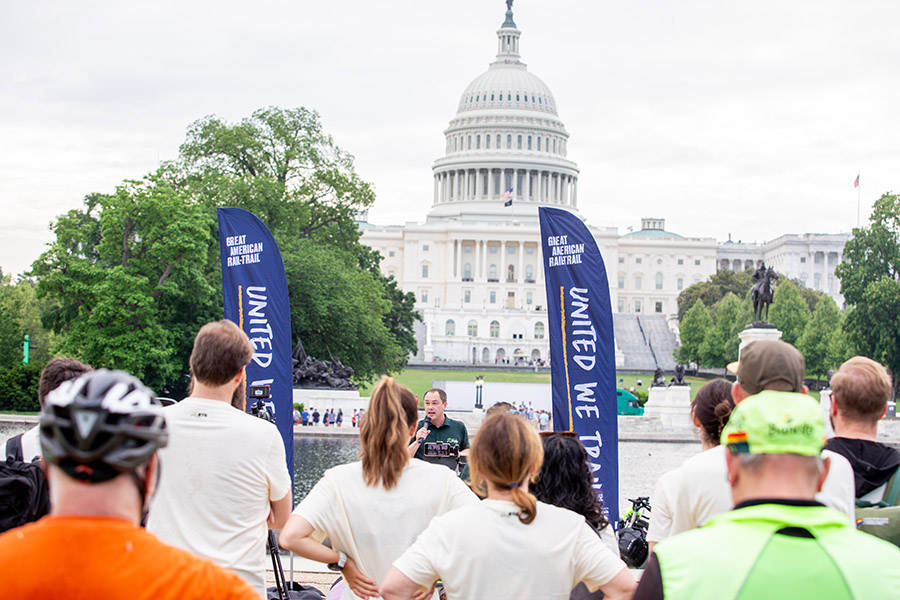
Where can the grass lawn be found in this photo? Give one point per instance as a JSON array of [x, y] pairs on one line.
[[420, 380]]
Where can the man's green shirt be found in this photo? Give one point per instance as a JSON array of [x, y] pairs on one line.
[[451, 432]]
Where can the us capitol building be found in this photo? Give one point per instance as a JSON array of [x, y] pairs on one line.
[[475, 263]]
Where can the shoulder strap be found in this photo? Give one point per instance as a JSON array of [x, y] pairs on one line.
[[892, 490], [14, 448]]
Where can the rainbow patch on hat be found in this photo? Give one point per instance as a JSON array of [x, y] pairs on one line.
[[737, 441]]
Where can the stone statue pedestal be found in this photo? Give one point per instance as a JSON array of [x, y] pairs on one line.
[[324, 398], [671, 406], [753, 334], [825, 403]]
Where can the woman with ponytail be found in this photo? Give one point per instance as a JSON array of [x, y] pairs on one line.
[[680, 500], [510, 545], [372, 510]]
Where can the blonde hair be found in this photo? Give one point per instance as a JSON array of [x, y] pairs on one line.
[[506, 452], [861, 388], [384, 433]]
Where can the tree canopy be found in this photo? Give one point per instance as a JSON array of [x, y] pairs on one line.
[[131, 276], [789, 311], [717, 287], [870, 283], [694, 329], [720, 346]]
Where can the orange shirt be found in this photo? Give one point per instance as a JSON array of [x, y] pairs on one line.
[[98, 557]]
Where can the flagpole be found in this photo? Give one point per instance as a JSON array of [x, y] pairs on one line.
[[858, 186]]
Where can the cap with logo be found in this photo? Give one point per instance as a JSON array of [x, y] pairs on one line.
[[765, 361], [776, 423]]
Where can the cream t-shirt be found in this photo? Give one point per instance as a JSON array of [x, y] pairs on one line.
[[219, 472], [374, 525], [484, 551], [689, 496]]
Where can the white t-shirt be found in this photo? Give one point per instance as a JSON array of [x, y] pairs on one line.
[[484, 551], [218, 474], [374, 525], [31, 444], [689, 496]]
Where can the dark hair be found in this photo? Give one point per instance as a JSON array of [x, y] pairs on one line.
[[384, 433], [58, 371], [439, 391], [506, 452], [221, 350], [712, 406], [565, 479], [498, 407]]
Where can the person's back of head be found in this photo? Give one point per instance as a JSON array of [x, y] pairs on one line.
[[768, 365], [56, 372], [500, 407], [774, 445], [507, 454], [103, 425], [861, 389], [711, 408], [565, 478], [221, 350], [384, 433]]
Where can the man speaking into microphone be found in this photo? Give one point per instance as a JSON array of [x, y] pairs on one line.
[[439, 439]]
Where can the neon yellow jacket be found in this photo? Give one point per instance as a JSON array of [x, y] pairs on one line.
[[738, 555]]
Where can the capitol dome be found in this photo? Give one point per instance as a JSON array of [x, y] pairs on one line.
[[506, 147]]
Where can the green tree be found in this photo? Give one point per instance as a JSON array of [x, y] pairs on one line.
[[280, 165], [789, 312], [129, 278], [721, 344], [338, 309], [840, 346], [818, 335], [694, 328], [870, 283], [20, 314], [717, 287]]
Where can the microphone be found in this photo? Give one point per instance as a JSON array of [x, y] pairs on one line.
[[425, 425]]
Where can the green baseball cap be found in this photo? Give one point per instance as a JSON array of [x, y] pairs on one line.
[[776, 423]]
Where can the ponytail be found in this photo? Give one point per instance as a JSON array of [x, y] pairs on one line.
[[507, 452], [384, 433]]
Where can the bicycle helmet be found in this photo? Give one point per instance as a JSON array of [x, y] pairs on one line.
[[100, 425]]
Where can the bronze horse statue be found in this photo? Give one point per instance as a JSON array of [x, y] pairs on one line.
[[763, 294]]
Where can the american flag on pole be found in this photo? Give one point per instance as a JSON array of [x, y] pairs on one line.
[[507, 196], [856, 182]]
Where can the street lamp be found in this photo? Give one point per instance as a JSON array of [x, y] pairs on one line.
[[479, 383]]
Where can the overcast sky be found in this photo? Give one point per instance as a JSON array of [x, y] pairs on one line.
[[751, 120]]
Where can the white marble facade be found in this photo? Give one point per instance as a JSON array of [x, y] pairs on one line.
[[474, 264]]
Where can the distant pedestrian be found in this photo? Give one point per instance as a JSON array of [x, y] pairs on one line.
[[340, 417], [544, 419], [296, 415], [353, 418], [316, 417], [304, 417], [326, 418]]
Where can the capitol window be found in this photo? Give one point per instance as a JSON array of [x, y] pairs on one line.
[[467, 248], [529, 273], [526, 97], [621, 282], [697, 261], [529, 142], [803, 259], [493, 297], [492, 97], [621, 306], [487, 141], [508, 141], [492, 273], [554, 144], [621, 260], [424, 247], [478, 142], [517, 97], [424, 296], [424, 271], [493, 250], [495, 329], [467, 272], [391, 253], [659, 281], [529, 250], [450, 327], [680, 283], [680, 261], [637, 282], [511, 250], [529, 297], [498, 141], [637, 260], [538, 331], [470, 142], [519, 143], [659, 307], [539, 143], [473, 329], [508, 97], [467, 296]]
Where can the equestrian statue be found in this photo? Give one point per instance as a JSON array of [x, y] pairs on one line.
[[763, 292]]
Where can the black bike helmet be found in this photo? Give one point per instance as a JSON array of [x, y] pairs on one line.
[[100, 425]]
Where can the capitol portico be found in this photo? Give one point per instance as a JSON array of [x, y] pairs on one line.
[[475, 263]]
